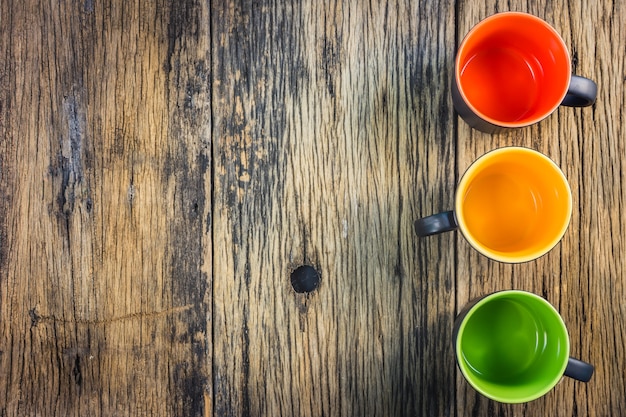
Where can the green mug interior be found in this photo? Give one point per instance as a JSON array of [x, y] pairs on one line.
[[512, 346]]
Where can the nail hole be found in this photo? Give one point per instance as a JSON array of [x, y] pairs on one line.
[[305, 279]]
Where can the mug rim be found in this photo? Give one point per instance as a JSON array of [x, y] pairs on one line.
[[457, 67], [469, 377], [495, 255]]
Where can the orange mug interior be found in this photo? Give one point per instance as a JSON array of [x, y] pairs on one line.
[[513, 69], [513, 204]]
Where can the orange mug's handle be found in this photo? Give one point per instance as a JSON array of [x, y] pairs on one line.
[[435, 224], [582, 92]]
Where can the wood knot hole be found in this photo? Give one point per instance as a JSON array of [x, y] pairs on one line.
[[305, 279]]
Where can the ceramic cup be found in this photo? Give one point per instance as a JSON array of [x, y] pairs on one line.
[[513, 205], [513, 70], [513, 347]]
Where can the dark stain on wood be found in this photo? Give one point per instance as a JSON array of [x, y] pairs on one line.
[[187, 168], [76, 371], [255, 83], [70, 155], [7, 189]]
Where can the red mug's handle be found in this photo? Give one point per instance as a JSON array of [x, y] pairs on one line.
[[582, 92]]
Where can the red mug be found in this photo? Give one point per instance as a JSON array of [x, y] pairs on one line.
[[513, 70]]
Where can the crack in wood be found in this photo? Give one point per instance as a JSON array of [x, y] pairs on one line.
[[37, 318]]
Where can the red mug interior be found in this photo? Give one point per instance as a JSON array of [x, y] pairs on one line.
[[513, 69]]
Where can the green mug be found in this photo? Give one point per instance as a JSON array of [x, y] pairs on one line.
[[513, 347]]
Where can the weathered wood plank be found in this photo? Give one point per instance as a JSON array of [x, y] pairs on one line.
[[333, 132], [104, 290], [583, 276]]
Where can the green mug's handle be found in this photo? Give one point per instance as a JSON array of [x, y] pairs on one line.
[[582, 92], [582, 371], [435, 224]]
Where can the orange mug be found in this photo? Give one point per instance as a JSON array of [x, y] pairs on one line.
[[513, 70], [513, 205]]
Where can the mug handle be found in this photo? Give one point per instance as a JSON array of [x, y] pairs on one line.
[[435, 224], [582, 92], [577, 369]]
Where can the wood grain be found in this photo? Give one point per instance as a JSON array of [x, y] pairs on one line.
[[165, 166], [332, 130], [104, 290]]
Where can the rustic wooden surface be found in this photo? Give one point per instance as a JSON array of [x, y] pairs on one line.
[[166, 165]]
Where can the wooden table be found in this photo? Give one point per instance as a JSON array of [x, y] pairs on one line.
[[165, 166]]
